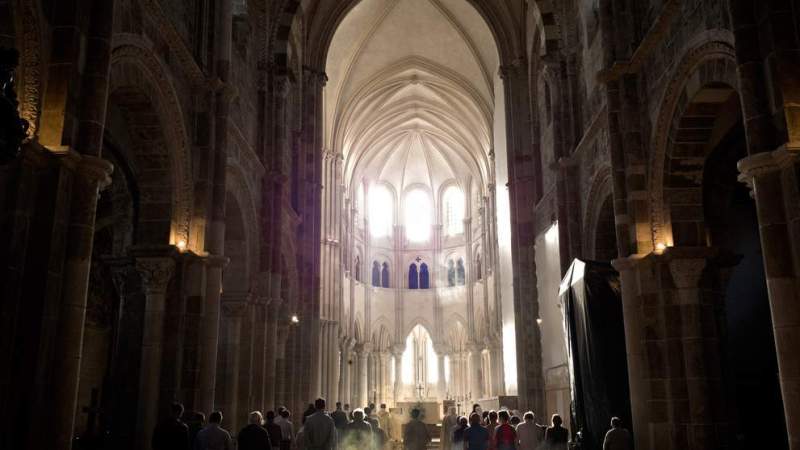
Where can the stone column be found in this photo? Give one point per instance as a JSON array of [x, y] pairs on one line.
[[442, 383], [281, 383], [91, 174], [233, 310], [673, 339], [345, 367], [209, 334], [498, 371], [363, 368], [475, 372], [764, 173], [156, 273], [398, 372], [271, 354]]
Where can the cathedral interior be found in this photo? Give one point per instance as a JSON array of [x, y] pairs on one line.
[[243, 204]]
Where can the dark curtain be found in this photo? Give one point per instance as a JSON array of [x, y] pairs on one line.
[[590, 294]]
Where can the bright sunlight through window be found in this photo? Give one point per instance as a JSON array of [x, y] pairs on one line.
[[418, 215], [453, 211], [380, 211]]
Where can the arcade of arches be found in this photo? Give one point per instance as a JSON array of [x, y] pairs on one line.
[[240, 204]]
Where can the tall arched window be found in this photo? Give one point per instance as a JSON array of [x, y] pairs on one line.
[[381, 211], [453, 211], [460, 272], [478, 267], [418, 213], [376, 274], [413, 277], [357, 269], [451, 273], [424, 277], [385, 275]]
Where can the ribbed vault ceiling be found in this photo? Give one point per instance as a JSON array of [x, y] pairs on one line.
[[410, 94]]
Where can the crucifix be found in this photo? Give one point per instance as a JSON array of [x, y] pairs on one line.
[[420, 388]]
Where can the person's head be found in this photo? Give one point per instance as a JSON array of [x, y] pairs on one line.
[[476, 408], [270, 416], [616, 422], [358, 415], [285, 413], [556, 420], [462, 421], [515, 420], [177, 410], [529, 416], [338, 406], [492, 416], [415, 413], [256, 418], [485, 416], [372, 406], [347, 406], [367, 411], [474, 419], [383, 406], [503, 416], [199, 418], [319, 404], [215, 417]]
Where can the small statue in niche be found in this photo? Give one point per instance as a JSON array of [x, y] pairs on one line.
[[13, 128]]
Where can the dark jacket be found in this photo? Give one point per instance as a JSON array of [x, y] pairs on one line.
[[253, 437], [274, 431], [171, 434]]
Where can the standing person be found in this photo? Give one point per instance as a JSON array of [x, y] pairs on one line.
[[556, 436], [415, 433], [491, 425], [274, 431], [449, 423], [197, 424], [339, 418], [213, 436], [505, 436], [319, 430], [172, 433], [457, 439], [383, 418], [348, 412], [287, 428], [309, 411], [358, 433], [529, 433], [379, 436], [617, 438], [476, 437], [254, 436]]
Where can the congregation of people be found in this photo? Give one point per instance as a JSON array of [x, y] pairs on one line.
[[368, 429]]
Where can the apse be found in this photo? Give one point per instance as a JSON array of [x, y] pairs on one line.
[[414, 111]]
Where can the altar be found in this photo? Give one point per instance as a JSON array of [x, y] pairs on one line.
[[430, 410]]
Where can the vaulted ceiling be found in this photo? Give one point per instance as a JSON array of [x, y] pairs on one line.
[[410, 97]]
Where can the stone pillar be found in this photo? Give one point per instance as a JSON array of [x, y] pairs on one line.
[[345, 367], [673, 340], [271, 354], [497, 369], [475, 372], [764, 173], [155, 273], [363, 369], [281, 383], [442, 383], [398, 372], [90, 176], [209, 335], [233, 310]]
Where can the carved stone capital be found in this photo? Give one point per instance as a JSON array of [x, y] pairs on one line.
[[123, 274], [686, 273], [155, 273], [764, 163], [234, 308]]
